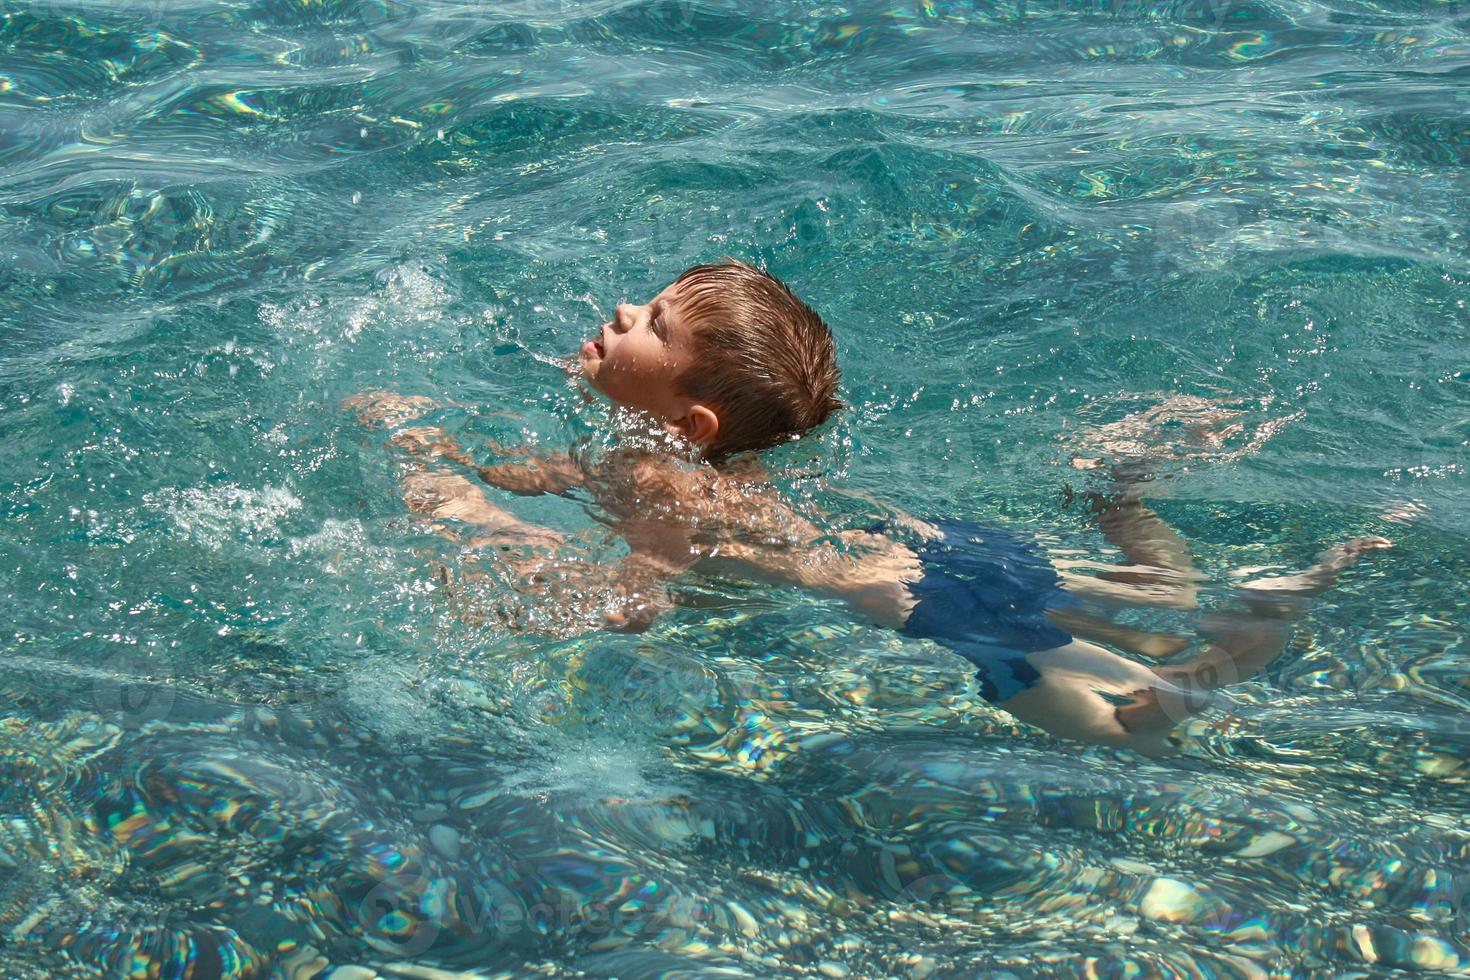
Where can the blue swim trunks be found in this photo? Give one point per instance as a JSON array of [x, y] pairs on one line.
[[985, 594]]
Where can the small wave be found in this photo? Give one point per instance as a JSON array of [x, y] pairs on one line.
[[215, 516]]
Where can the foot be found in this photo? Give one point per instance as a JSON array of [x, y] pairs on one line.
[[1155, 646], [1178, 428], [1271, 593]]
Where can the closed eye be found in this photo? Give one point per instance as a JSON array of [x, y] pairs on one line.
[[659, 331]]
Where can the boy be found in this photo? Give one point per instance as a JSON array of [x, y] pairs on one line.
[[726, 361]]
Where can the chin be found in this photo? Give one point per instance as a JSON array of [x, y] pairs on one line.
[[590, 376]]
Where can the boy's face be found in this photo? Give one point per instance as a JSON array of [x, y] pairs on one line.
[[636, 357]]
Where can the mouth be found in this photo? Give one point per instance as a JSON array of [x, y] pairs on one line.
[[594, 348]]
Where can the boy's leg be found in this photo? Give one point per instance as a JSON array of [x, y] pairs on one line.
[[1179, 427], [1160, 570], [1161, 573], [1100, 629], [1089, 693], [1242, 642], [1141, 534], [1079, 694]]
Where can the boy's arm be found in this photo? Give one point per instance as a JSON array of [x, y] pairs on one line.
[[527, 476], [658, 550], [537, 474], [768, 539], [642, 593], [871, 574]]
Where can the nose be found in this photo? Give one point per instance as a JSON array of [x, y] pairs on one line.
[[624, 316]]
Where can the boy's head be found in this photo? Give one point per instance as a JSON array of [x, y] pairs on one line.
[[726, 356]]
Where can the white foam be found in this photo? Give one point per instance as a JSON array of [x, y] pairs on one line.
[[214, 515], [409, 294], [384, 696], [598, 767]]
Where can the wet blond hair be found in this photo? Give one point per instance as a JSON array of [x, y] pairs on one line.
[[763, 359]]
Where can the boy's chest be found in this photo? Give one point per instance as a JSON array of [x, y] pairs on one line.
[[650, 502]]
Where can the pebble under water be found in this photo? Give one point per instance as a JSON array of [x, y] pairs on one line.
[[247, 731]]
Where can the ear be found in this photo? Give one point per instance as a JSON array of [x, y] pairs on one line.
[[700, 425]]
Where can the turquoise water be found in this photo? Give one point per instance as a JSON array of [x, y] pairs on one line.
[[246, 732]]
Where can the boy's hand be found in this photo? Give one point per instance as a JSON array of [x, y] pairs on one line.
[[637, 604], [430, 440], [641, 595], [638, 613], [387, 408]]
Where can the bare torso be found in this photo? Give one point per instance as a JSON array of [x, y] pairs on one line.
[[735, 523]]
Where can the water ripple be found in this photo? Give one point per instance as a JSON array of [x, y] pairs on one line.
[[246, 729]]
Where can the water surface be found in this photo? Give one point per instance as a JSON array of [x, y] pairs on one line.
[[246, 733]]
